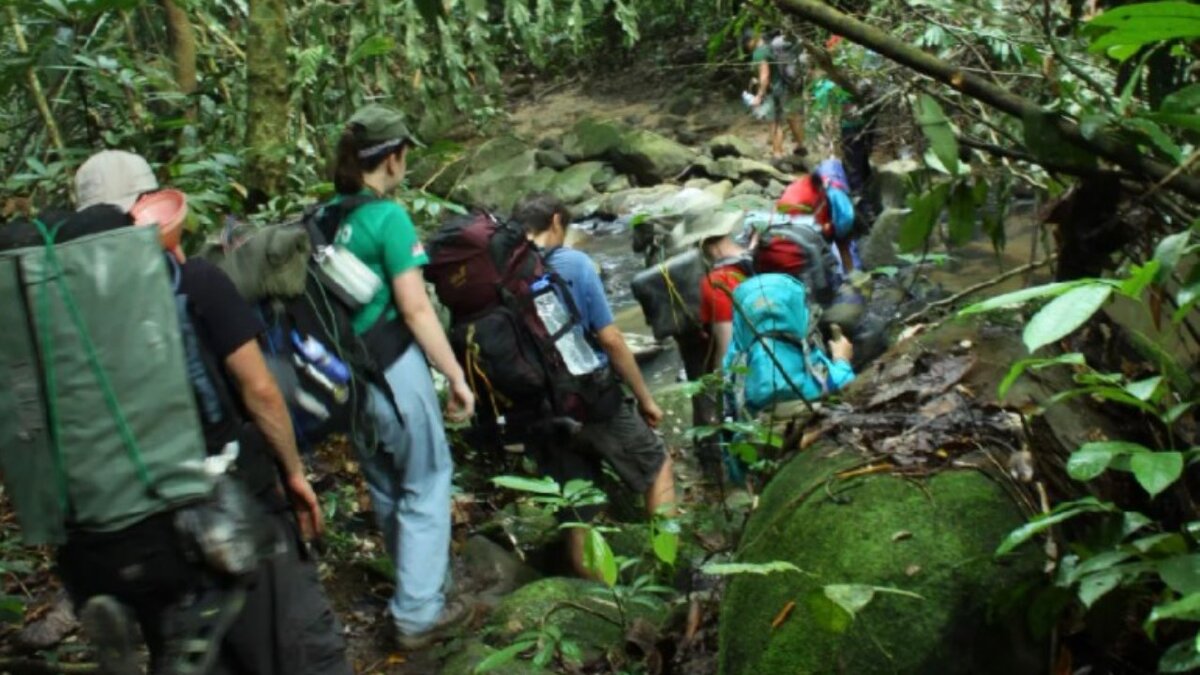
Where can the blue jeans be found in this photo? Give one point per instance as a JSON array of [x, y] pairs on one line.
[[409, 478]]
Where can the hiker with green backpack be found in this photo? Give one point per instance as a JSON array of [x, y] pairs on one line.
[[409, 471], [777, 70], [178, 515]]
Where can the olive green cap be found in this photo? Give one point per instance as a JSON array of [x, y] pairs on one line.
[[382, 124]]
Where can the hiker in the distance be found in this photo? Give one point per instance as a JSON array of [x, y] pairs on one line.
[[286, 624], [627, 441], [825, 194], [770, 98], [409, 472]]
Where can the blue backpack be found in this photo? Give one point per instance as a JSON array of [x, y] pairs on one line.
[[775, 338], [837, 191]]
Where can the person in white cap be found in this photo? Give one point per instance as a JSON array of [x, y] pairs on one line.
[[286, 625]]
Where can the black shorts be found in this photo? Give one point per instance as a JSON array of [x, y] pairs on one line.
[[625, 442]]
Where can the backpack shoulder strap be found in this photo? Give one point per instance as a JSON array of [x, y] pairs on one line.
[[325, 220]]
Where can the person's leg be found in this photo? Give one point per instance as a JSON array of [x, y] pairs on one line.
[[637, 454], [378, 466], [695, 348], [422, 513], [287, 625]]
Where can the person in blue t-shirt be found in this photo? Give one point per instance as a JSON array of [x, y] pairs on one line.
[[626, 441]]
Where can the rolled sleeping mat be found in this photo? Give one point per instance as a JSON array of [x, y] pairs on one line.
[[669, 294]]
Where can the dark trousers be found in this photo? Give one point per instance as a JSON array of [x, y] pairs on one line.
[[696, 350], [286, 627]]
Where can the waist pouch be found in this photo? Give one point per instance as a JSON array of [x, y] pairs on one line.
[[387, 341], [228, 532], [599, 396]]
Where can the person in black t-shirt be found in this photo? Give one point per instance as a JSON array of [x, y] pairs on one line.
[[286, 626]]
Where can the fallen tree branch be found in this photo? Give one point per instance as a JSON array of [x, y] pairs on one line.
[[1009, 153], [946, 302], [1104, 145], [36, 667]]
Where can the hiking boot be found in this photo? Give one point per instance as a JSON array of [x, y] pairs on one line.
[[454, 614], [107, 625]]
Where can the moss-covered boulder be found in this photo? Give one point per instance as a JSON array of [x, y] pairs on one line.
[[933, 537], [499, 186], [728, 145], [583, 610], [652, 158], [738, 168], [591, 139], [578, 182]]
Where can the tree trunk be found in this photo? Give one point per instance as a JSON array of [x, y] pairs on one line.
[[183, 50], [35, 85], [1107, 146], [266, 100]]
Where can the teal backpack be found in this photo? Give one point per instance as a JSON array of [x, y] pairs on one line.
[[775, 340]]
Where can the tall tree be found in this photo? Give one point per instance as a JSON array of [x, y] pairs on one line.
[[183, 48], [266, 100]]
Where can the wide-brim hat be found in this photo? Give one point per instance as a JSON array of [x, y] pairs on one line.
[[711, 225]]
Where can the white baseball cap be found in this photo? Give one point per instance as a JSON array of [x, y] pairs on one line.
[[113, 177]]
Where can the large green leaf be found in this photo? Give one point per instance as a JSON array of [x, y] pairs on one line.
[[918, 225], [1019, 368], [1186, 608], [727, 569], [1044, 522], [1093, 459], [1156, 471], [1157, 138], [1095, 586], [1181, 573], [598, 557], [1181, 657], [1019, 298], [375, 45], [936, 127], [540, 486], [850, 597], [504, 656], [1063, 315], [962, 214], [1169, 251], [1140, 24]]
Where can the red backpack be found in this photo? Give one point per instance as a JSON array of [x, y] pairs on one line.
[[488, 274]]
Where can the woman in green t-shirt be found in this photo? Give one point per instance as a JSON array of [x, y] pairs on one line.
[[409, 472]]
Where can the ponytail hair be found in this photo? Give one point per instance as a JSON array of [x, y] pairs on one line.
[[349, 164]]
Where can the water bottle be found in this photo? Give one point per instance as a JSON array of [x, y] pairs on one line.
[[315, 353], [575, 350], [748, 99]]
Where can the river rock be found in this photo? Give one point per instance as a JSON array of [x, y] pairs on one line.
[[728, 145], [552, 159], [652, 158], [750, 203], [891, 183], [636, 200], [775, 189], [577, 183], [934, 538], [502, 184], [618, 183], [720, 190], [737, 168], [748, 187], [495, 569], [495, 151], [549, 602], [878, 248], [700, 183], [591, 139]]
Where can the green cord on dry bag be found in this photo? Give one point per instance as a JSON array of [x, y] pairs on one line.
[[45, 321]]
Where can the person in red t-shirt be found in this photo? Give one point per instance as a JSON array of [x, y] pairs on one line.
[[730, 266], [806, 195]]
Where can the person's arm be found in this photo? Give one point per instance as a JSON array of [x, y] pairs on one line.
[[722, 335], [764, 81], [266, 406], [417, 311], [621, 357]]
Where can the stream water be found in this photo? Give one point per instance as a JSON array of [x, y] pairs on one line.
[[609, 244]]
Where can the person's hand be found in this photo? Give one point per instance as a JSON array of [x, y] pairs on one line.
[[305, 504], [758, 100], [651, 412], [841, 349], [461, 406]]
